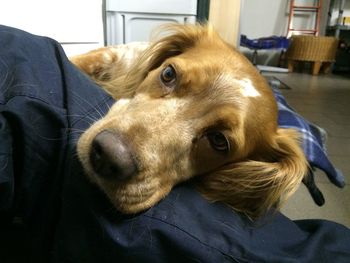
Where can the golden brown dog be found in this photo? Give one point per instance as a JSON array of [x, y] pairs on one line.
[[189, 106]]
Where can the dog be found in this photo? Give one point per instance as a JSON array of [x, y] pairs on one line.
[[188, 107]]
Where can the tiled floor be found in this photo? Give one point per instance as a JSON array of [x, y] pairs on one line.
[[325, 101]]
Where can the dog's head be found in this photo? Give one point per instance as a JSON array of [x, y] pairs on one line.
[[198, 109]]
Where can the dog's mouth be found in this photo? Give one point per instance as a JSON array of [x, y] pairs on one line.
[[135, 197]]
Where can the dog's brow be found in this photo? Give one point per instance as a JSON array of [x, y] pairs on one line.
[[244, 86], [225, 90]]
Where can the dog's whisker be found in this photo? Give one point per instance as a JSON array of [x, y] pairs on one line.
[[90, 118], [84, 101]]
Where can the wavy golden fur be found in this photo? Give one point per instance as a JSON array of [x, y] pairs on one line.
[[216, 124]]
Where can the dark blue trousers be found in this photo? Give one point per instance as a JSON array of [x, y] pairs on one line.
[[45, 199]]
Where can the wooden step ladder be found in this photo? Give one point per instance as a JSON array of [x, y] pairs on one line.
[[297, 9]]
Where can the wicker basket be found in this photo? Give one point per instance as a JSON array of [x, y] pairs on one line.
[[312, 48]]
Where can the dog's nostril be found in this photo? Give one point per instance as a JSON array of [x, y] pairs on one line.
[[96, 153], [111, 156], [97, 148]]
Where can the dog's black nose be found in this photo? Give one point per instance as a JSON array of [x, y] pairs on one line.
[[111, 157]]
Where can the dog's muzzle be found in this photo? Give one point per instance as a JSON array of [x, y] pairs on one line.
[[111, 157]]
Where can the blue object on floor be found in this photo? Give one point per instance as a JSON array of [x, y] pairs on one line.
[[272, 42]]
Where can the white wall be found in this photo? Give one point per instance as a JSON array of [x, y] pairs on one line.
[[264, 18], [223, 13], [75, 23]]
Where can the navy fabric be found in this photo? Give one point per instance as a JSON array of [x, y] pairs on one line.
[[45, 104]]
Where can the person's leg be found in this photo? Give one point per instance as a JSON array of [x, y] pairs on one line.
[[45, 103]]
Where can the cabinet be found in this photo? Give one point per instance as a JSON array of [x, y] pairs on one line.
[[338, 9], [335, 18], [77, 24], [135, 20]]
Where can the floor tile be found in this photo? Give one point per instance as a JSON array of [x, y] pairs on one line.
[[336, 207], [337, 146]]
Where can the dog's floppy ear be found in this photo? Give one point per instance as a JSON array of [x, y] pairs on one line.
[[254, 186]]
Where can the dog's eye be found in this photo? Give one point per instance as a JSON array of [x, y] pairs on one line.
[[218, 141], [168, 75]]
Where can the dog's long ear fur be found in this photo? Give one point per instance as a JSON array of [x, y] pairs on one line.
[[179, 38], [254, 186]]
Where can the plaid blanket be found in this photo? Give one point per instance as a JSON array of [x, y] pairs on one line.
[[314, 139]]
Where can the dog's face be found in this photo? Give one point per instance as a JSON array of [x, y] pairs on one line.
[[198, 107]]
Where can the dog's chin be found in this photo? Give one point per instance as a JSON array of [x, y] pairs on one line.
[[140, 206], [132, 197], [134, 204]]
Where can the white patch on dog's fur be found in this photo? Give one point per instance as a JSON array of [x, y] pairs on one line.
[[227, 81], [107, 58], [248, 89], [129, 52], [122, 102]]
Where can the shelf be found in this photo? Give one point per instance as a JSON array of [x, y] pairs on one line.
[[339, 27]]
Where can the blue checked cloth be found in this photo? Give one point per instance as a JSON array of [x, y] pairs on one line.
[[313, 142]]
